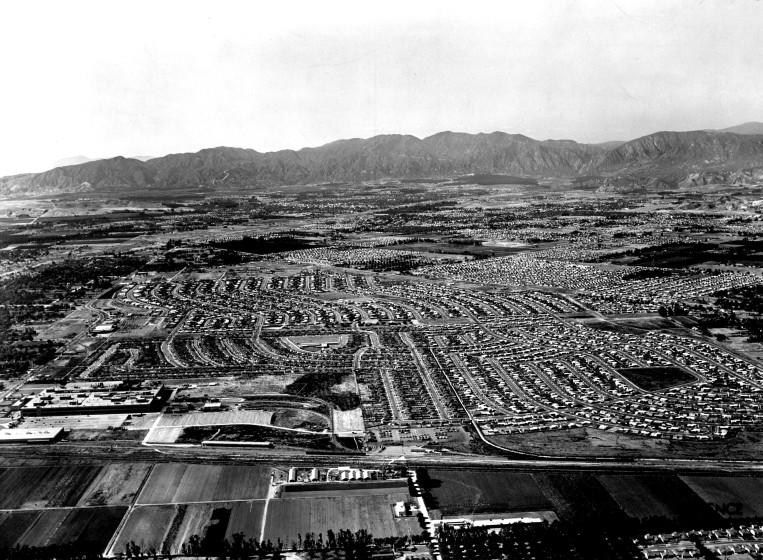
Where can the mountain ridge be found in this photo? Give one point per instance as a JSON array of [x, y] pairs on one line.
[[666, 155]]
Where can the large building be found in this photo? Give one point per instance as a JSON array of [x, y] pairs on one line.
[[30, 435], [90, 399]]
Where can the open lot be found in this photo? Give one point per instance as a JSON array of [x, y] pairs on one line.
[[172, 483]]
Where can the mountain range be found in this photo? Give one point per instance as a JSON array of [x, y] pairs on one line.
[[670, 158]]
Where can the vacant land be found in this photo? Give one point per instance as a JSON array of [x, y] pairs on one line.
[[463, 492], [116, 484], [35, 487], [289, 517], [729, 496], [657, 378], [172, 483]]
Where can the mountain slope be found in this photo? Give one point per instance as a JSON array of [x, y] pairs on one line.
[[745, 128], [671, 155], [667, 156]]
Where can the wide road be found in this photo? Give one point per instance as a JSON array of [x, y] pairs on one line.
[[101, 452]]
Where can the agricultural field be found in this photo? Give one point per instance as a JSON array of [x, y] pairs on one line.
[[147, 527], [646, 502], [461, 492], [116, 484], [288, 517], [730, 496], [663, 496], [166, 528], [579, 498], [36, 487], [246, 518], [173, 483], [87, 529], [13, 525]]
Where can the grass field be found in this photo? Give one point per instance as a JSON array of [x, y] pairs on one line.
[[89, 529], [462, 492], [656, 378], [35, 487], [729, 496], [176, 483], [289, 516], [116, 484]]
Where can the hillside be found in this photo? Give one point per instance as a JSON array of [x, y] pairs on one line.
[[668, 157], [674, 155], [745, 128]]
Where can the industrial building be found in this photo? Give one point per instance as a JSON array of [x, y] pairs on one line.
[[90, 400]]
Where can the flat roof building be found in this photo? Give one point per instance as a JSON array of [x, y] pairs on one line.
[[90, 400], [30, 435]]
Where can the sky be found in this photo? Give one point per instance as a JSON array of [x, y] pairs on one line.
[[104, 78]]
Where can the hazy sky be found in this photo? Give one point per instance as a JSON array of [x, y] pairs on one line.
[[104, 78]]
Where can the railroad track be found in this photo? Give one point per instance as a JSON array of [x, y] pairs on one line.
[[92, 452]]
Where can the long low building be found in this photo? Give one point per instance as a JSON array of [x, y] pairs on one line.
[[30, 435], [90, 400]]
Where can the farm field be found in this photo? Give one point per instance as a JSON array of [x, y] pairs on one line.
[[289, 516], [172, 483], [35, 487], [246, 518], [166, 528], [116, 484], [730, 496], [13, 525], [462, 492], [146, 527], [580, 498], [645, 496], [88, 529]]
